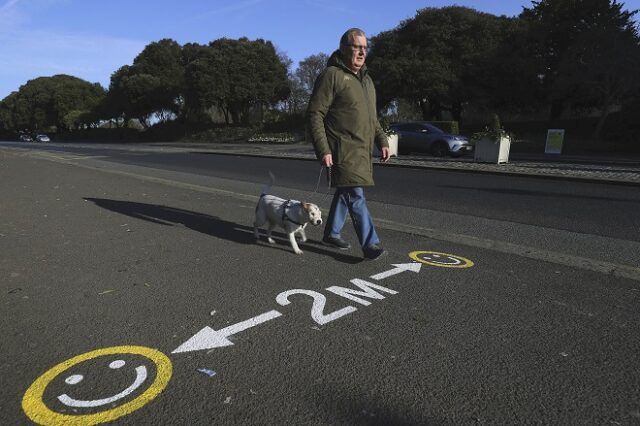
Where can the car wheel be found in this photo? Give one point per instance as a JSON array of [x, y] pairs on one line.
[[440, 149]]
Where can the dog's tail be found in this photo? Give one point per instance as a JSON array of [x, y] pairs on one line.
[[267, 188]]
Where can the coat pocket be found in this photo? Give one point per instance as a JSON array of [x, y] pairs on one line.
[[346, 152]]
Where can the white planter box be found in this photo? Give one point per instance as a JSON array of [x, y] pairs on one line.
[[393, 145], [492, 151]]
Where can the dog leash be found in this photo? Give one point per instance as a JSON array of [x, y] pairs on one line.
[[315, 191]]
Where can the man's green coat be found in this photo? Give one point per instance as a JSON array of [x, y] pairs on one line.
[[342, 121]]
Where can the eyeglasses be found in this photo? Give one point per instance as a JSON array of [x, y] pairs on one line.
[[358, 47]]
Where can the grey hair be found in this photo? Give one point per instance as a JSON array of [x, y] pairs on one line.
[[348, 36]]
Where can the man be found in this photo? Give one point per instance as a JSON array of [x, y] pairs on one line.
[[343, 127]]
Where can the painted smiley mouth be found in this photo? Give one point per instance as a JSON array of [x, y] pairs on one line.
[[444, 261], [141, 376]]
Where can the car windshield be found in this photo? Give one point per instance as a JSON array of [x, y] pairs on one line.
[[433, 128]]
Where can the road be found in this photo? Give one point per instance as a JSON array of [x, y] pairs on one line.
[[133, 293]]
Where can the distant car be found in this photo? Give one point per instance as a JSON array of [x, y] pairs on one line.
[[42, 138], [24, 137], [420, 136]]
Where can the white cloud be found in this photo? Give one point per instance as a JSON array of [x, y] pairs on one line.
[[28, 51], [31, 54]]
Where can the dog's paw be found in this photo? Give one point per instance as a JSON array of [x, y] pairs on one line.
[[299, 252], [271, 240]]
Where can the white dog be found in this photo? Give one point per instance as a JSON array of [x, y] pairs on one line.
[[292, 215]]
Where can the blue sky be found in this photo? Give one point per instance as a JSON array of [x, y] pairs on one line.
[[91, 39]]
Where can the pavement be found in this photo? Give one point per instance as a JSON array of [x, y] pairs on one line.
[[587, 167]]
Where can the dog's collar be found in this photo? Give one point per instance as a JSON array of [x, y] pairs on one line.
[[284, 214]]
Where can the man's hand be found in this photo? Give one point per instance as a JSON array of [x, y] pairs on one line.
[[384, 154], [327, 160]]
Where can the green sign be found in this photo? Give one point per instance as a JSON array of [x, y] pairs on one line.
[[555, 138]]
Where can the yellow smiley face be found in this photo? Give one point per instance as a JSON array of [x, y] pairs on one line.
[[443, 260], [34, 406]]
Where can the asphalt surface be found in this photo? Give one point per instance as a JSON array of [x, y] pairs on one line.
[[100, 254], [625, 170]]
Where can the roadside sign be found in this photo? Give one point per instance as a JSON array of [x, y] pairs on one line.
[[555, 138]]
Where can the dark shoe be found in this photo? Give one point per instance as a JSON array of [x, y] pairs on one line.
[[373, 252], [336, 242]]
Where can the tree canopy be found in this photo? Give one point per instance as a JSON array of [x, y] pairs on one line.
[[436, 59], [586, 51], [558, 55], [50, 101]]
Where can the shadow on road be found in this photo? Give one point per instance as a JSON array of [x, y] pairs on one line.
[[209, 225]]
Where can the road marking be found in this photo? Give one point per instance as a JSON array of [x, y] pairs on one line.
[[141, 376], [367, 291], [399, 267], [443, 260], [35, 408], [317, 309], [208, 338]]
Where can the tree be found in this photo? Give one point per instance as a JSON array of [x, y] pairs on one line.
[[201, 81], [161, 64], [434, 59], [572, 38], [7, 112], [48, 101], [130, 96], [508, 76], [301, 81], [150, 88], [308, 71], [609, 66], [236, 76]]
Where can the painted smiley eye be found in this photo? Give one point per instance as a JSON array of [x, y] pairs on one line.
[[74, 380], [77, 378], [117, 364]]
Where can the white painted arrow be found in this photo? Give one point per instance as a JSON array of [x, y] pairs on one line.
[[399, 267], [208, 338]]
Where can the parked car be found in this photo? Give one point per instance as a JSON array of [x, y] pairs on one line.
[[25, 137], [420, 136], [42, 138]]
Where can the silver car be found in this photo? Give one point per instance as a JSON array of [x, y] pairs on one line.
[[420, 136], [42, 138]]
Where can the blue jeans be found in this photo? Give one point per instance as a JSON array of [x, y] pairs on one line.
[[351, 200]]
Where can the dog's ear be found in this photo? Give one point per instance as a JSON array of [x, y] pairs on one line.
[[306, 206]]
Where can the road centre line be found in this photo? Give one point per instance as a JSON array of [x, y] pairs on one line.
[[584, 263]]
